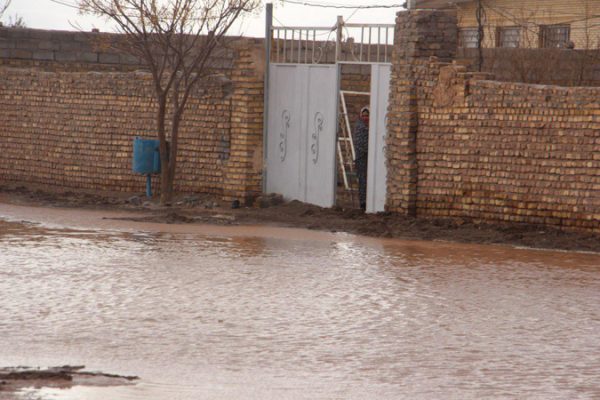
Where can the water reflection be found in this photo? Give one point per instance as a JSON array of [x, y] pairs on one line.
[[268, 317]]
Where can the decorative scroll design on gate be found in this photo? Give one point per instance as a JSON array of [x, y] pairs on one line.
[[318, 128], [285, 125]]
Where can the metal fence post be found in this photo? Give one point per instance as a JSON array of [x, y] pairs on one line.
[[338, 38], [268, 38]]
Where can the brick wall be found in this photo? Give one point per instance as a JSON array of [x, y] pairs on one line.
[[243, 172], [75, 129], [463, 146], [419, 35], [508, 152]]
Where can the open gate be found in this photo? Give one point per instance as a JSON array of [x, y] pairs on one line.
[[301, 123]]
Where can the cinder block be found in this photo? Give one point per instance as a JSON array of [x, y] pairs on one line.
[[20, 54], [6, 43], [70, 45], [88, 57], [47, 45], [109, 58], [43, 55], [66, 56], [128, 59]]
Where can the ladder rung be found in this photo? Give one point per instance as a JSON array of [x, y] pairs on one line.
[[352, 92]]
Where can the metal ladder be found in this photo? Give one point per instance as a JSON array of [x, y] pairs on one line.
[[345, 144]]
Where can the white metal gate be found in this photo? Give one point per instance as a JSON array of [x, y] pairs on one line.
[[301, 115], [301, 132], [377, 170]]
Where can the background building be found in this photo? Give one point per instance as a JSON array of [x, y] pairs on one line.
[[526, 23]]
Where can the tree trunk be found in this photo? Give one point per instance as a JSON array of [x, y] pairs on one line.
[[166, 183], [166, 186], [174, 146]]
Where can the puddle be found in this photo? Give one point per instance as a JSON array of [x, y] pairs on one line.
[[272, 313]]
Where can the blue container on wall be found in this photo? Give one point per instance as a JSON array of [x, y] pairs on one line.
[[146, 159], [146, 156]]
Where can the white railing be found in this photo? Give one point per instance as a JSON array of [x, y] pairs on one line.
[[303, 45], [366, 43], [342, 43]]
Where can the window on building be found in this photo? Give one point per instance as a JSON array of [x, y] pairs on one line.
[[467, 38], [553, 36], [508, 36]]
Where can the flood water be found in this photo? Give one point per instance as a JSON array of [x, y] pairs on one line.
[[265, 313]]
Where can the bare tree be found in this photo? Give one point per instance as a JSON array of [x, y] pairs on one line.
[[176, 40], [16, 21], [480, 17], [3, 7]]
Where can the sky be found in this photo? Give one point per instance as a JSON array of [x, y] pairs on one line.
[[48, 14]]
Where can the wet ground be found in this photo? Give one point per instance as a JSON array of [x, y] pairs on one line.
[[231, 312], [202, 208]]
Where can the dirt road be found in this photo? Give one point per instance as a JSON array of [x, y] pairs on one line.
[[207, 209]]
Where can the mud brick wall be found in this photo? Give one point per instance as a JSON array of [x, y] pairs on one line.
[[74, 130], [490, 151], [508, 152], [419, 35], [243, 172]]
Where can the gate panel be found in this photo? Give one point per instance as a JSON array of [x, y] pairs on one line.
[[283, 130], [377, 171], [301, 132], [321, 124]]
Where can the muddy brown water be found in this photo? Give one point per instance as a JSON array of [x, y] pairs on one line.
[[201, 312]]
